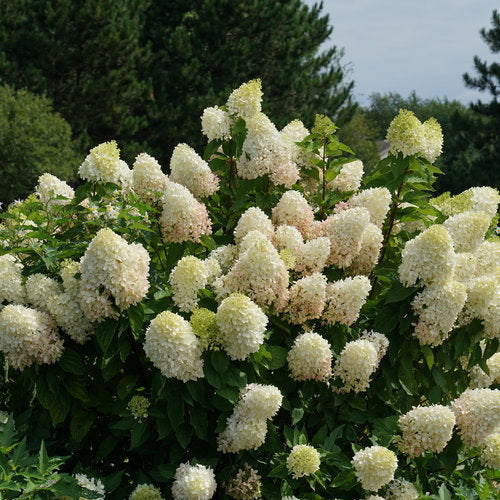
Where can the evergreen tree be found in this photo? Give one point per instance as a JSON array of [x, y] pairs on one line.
[[203, 49], [82, 54], [480, 159]]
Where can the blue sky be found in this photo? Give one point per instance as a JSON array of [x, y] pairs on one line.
[[405, 45]]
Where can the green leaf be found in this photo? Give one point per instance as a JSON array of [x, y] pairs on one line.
[[199, 421], [398, 293], [278, 356], [59, 408], [43, 459], [72, 362], [444, 493], [138, 434], [126, 385], [104, 333], [175, 411], [80, 424], [184, 434], [297, 414], [8, 433], [136, 318], [220, 361], [428, 356]]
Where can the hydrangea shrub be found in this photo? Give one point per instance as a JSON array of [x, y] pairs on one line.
[[263, 322]]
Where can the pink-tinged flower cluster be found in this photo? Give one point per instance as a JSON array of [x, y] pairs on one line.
[[28, 336], [183, 217], [259, 272], [344, 299], [120, 268], [310, 357], [189, 169], [307, 298]]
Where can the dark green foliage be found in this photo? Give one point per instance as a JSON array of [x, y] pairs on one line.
[[83, 55], [33, 476], [142, 72], [80, 403], [33, 140]]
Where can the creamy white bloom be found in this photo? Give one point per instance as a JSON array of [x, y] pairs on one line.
[[189, 169], [345, 231], [480, 378], [187, 277], [344, 299], [266, 152], [225, 255], [374, 497], [405, 133], [253, 219], [477, 412], [293, 210], [411, 137], [215, 123], [120, 268], [485, 199], [480, 293], [49, 188], [487, 258], [349, 177], [401, 489], [183, 217], [193, 482], [146, 492], [246, 427], [294, 132], [313, 255], [467, 230], [91, 484], [380, 342], [40, 289], [426, 428], [11, 282], [242, 324], [307, 298], [428, 257], [375, 200], [242, 434], [374, 467], [65, 307], [465, 267], [433, 140], [289, 238], [357, 362], [259, 272], [490, 451], [437, 308], [28, 336], [148, 180], [310, 357], [303, 460], [103, 164], [246, 100], [173, 348], [368, 255]]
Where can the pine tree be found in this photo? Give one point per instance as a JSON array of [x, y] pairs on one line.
[[204, 49]]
